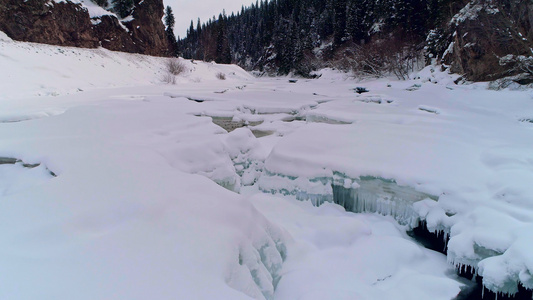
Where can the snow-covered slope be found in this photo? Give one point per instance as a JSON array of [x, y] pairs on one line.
[[105, 189], [91, 209], [37, 70]]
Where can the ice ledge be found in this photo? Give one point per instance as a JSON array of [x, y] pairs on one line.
[[505, 272], [359, 195]]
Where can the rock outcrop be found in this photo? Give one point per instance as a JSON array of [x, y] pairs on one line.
[[45, 22], [69, 24], [490, 39]]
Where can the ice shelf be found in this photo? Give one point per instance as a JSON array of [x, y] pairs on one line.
[[365, 194]]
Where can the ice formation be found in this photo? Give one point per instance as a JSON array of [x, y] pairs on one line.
[[363, 194], [244, 151], [503, 273], [259, 262]]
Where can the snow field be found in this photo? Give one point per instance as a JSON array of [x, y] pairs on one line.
[[128, 217], [120, 220], [461, 145]]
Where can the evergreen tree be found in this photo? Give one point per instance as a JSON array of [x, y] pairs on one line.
[[169, 19], [339, 25], [169, 30], [222, 54], [355, 30], [283, 34], [199, 27], [326, 20], [123, 8]]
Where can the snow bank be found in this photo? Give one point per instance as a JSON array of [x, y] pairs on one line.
[[4, 37], [121, 219], [45, 70], [114, 207]]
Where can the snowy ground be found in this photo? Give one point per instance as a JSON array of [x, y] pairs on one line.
[[116, 185]]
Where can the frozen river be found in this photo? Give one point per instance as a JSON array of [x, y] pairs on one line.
[[115, 185]]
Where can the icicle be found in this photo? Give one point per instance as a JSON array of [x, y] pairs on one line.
[[366, 194], [482, 291]]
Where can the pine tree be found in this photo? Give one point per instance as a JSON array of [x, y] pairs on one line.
[[339, 25], [282, 34], [223, 53], [123, 8], [169, 23], [169, 19], [357, 12]]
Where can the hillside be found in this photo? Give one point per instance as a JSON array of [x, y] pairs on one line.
[[371, 37], [482, 40]]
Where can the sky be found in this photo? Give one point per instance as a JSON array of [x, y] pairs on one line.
[[187, 10]]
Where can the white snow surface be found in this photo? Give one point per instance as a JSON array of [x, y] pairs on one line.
[[136, 195], [4, 37]]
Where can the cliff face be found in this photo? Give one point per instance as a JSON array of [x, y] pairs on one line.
[[69, 24], [147, 29], [44, 22], [487, 38]]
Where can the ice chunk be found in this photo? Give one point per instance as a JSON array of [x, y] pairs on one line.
[[434, 215], [260, 262], [503, 273], [246, 155], [478, 237]]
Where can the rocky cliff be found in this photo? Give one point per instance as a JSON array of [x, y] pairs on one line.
[[491, 39], [69, 23]]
